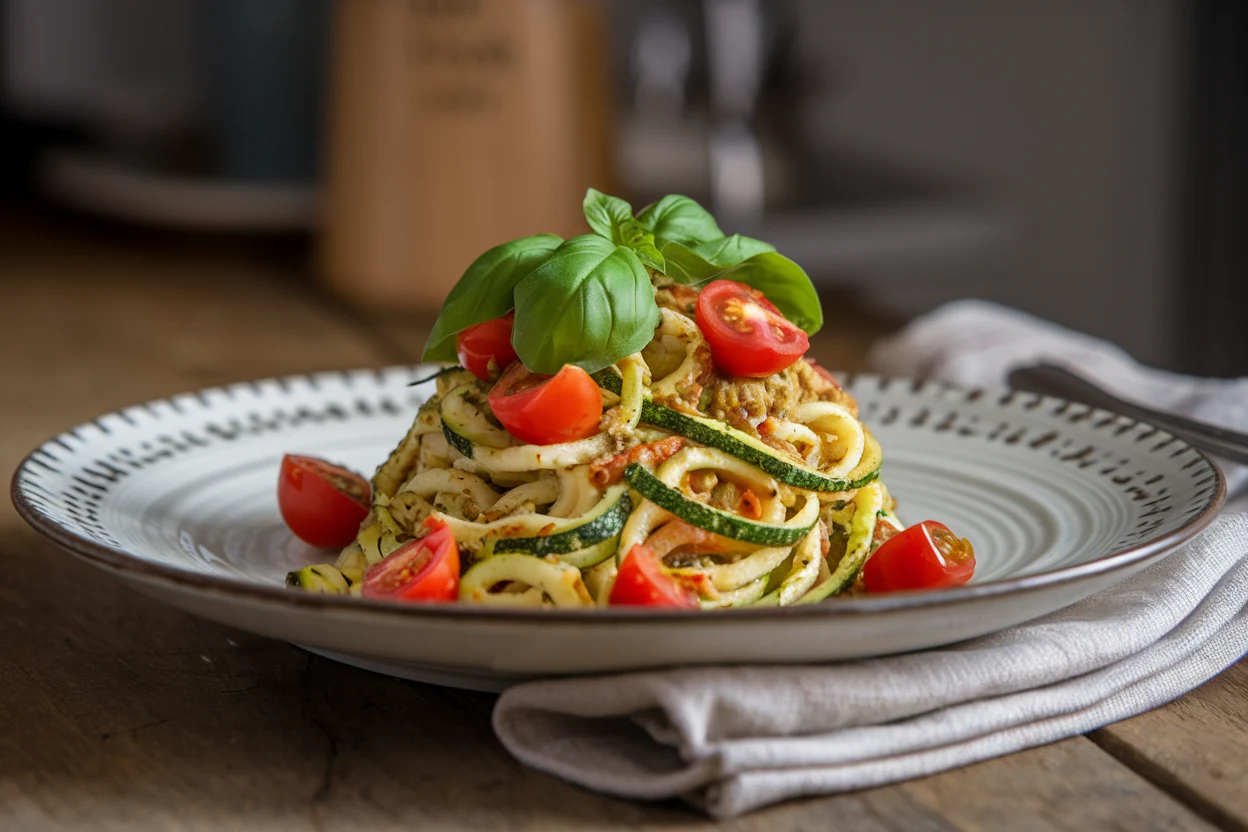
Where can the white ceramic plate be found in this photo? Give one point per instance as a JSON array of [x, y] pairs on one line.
[[177, 497]]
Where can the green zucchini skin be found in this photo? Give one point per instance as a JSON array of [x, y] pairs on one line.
[[708, 518], [857, 550], [460, 443], [606, 522], [591, 556], [320, 577], [463, 430], [715, 434], [609, 380]]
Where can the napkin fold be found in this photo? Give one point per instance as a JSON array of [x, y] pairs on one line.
[[731, 739]]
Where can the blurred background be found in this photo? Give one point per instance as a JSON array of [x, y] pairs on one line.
[[1083, 160]]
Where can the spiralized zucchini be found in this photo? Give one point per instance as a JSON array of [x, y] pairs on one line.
[[632, 392], [541, 457], [540, 583], [758, 564], [577, 493], [840, 434], [450, 481], [802, 575], [549, 525], [680, 330], [461, 409]]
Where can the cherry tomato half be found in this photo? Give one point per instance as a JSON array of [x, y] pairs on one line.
[[543, 410], [925, 556], [747, 334], [641, 582], [322, 503], [426, 569], [485, 349]]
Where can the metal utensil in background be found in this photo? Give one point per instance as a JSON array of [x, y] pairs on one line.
[[1052, 380]]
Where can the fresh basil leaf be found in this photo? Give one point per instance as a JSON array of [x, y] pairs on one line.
[[683, 265], [678, 219], [650, 256], [485, 290], [784, 283], [641, 242], [589, 304], [605, 214], [612, 218], [729, 251]]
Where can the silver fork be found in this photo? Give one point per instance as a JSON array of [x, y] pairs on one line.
[[1052, 380]]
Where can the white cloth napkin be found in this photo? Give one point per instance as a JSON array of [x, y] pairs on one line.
[[732, 739]]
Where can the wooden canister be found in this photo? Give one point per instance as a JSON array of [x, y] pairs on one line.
[[456, 125]]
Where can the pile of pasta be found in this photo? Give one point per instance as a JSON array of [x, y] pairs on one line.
[[752, 492]]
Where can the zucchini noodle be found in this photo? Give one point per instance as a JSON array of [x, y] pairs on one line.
[[641, 523], [560, 583], [542, 491], [758, 564], [436, 481], [746, 595], [622, 419], [840, 434], [541, 457], [756, 511], [802, 574], [678, 329], [576, 492]]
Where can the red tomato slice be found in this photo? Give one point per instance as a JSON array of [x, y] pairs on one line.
[[641, 582], [322, 503], [749, 505], [423, 570], [485, 349], [747, 334], [543, 410], [925, 556]]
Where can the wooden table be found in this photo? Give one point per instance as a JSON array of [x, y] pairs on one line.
[[119, 713]]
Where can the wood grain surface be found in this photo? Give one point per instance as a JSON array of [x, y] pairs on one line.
[[119, 713]]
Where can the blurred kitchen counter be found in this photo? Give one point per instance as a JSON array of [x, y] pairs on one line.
[[117, 712]]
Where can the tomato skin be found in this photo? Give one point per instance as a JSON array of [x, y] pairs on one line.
[[422, 570], [924, 556], [544, 410], [478, 345], [316, 510], [641, 582], [747, 334]]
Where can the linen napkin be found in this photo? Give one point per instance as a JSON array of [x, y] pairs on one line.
[[731, 739]]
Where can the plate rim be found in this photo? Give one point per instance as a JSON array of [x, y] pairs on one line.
[[118, 560]]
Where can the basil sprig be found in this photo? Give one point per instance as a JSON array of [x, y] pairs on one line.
[[595, 303], [589, 301], [678, 219], [612, 218]]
